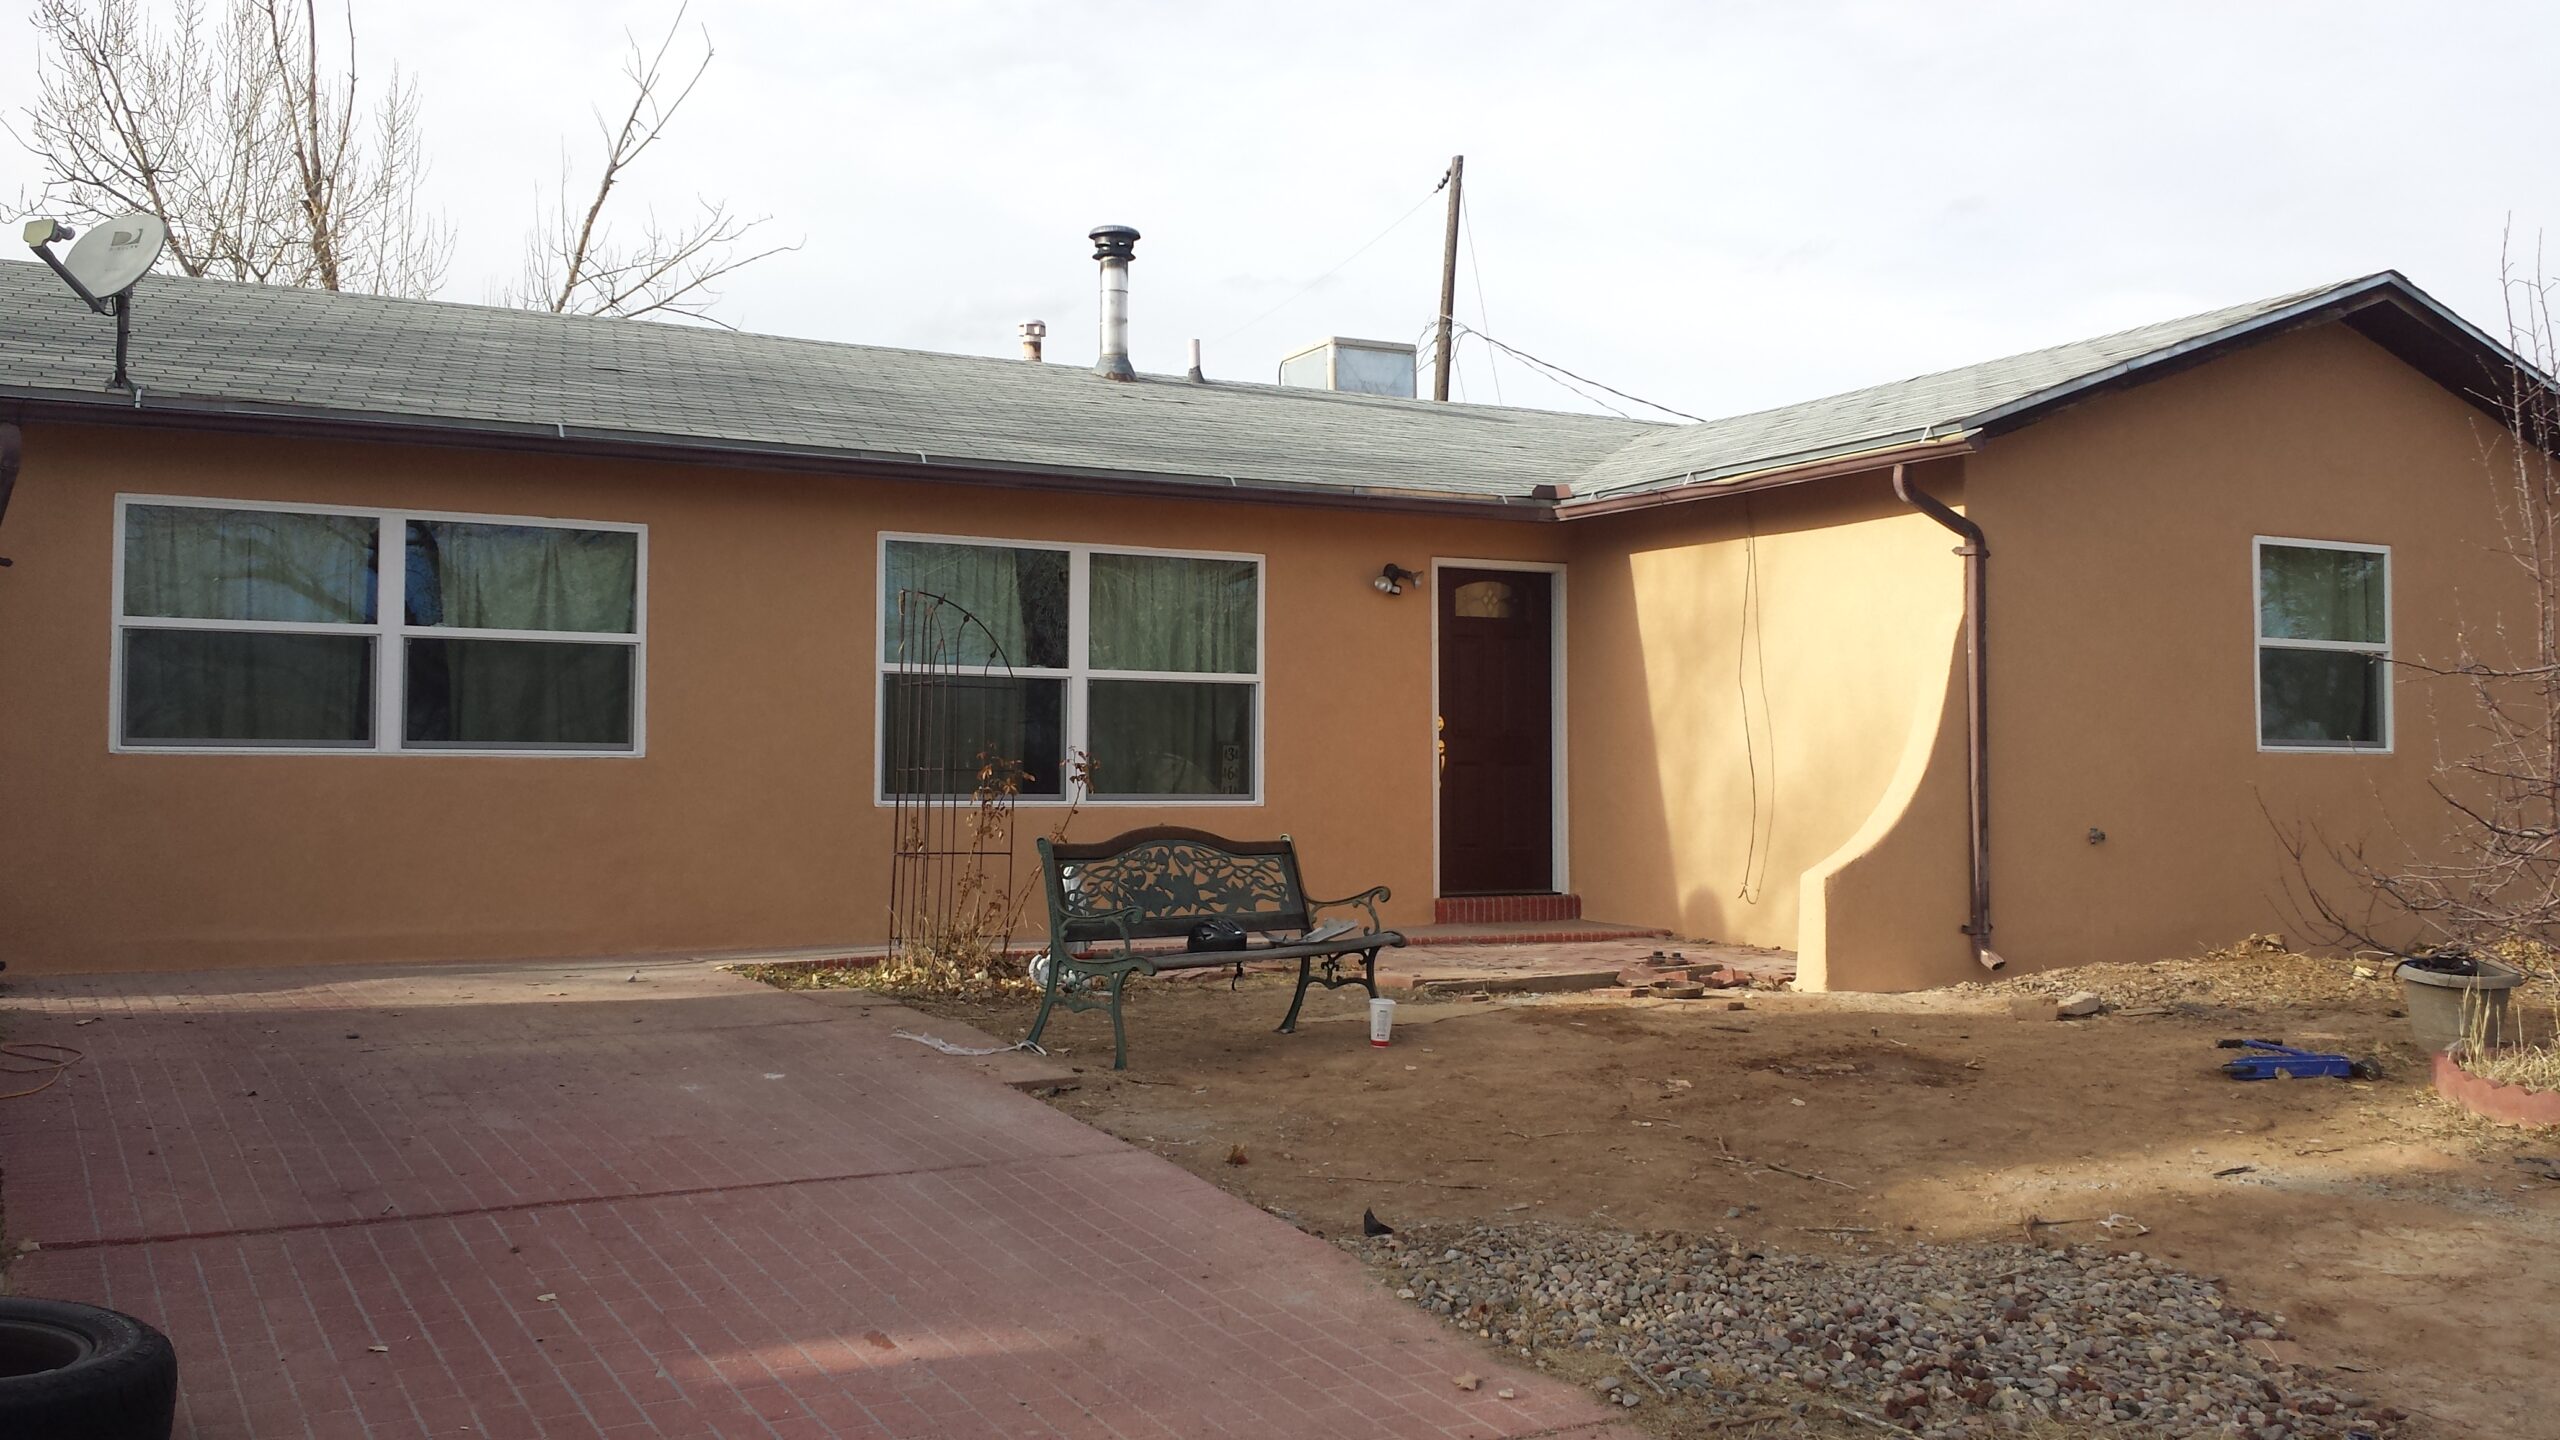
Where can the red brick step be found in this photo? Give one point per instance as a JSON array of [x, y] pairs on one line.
[[1504, 909]]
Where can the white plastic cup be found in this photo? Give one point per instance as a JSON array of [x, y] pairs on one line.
[[1382, 1019]]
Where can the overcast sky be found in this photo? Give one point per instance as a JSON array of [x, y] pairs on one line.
[[1719, 206]]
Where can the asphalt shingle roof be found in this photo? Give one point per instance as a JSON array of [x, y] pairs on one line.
[[218, 345], [1903, 410], [368, 355]]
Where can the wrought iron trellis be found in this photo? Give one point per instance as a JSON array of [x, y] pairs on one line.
[[951, 797]]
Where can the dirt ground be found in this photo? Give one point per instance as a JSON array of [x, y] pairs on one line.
[[2397, 1239]]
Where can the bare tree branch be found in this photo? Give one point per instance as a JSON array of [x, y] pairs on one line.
[[266, 166], [2491, 879], [573, 262]]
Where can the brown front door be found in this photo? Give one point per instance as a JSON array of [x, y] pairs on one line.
[[1497, 732]]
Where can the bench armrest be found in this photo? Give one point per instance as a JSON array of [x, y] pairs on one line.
[[1119, 919], [1367, 900]]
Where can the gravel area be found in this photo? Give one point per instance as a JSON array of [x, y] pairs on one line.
[[1941, 1341]]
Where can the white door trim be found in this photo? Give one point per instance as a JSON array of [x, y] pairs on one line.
[[1559, 817]]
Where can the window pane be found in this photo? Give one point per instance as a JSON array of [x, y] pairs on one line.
[[2307, 594], [1171, 737], [1168, 612], [1485, 600], [946, 735], [1017, 598], [2319, 697], [531, 693], [217, 687], [523, 577], [205, 564]]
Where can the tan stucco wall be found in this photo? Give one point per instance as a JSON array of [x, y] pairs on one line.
[[2122, 698], [2122, 677], [749, 822], [2123, 665], [1858, 603]]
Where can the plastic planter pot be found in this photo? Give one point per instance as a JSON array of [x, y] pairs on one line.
[[2455, 997]]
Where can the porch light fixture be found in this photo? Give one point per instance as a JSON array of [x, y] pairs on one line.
[[1392, 580]]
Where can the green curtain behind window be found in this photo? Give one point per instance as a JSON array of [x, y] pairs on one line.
[[229, 687], [523, 577], [2311, 594], [1171, 737], [1172, 613], [200, 563], [1019, 596], [1169, 612], [519, 692]]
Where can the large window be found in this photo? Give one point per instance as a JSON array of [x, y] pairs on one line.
[[2324, 645], [997, 652], [262, 627]]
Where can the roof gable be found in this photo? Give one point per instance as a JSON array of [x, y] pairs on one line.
[[1997, 395]]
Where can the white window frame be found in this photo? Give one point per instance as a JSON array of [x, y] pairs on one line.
[[1079, 668], [2261, 642], [390, 632]]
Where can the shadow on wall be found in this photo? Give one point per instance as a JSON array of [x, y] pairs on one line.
[[1747, 673], [1886, 911]]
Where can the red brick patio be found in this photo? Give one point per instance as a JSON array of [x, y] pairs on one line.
[[556, 1202]]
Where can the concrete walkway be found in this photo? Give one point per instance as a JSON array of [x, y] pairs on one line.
[[560, 1202]]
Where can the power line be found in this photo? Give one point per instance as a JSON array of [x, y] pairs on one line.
[[1557, 379], [1300, 293], [1483, 313], [1518, 353]]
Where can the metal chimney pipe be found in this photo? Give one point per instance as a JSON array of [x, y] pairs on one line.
[[1195, 377], [1033, 332], [1115, 246]]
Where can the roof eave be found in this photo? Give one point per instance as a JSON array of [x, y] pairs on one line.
[[1914, 447], [244, 417]]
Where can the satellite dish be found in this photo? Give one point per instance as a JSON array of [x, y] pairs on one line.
[[108, 259], [102, 268]]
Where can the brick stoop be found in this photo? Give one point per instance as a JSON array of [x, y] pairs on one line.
[[1529, 932], [1504, 909]]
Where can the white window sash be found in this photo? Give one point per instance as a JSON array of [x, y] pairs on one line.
[[389, 631], [2378, 650], [1079, 673]]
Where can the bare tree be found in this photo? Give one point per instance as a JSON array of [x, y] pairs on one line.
[[242, 124], [267, 166], [2486, 873], [135, 116], [573, 260], [353, 176]]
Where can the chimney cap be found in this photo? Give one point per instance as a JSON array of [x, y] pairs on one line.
[[1114, 242]]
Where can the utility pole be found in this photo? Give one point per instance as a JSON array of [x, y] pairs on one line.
[[1455, 182]]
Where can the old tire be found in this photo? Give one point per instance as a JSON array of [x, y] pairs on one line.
[[77, 1372]]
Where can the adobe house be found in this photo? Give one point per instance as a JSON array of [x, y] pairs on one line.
[[630, 688]]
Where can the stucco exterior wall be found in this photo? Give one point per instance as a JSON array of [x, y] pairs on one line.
[[1700, 723], [1765, 735], [750, 821], [2123, 661]]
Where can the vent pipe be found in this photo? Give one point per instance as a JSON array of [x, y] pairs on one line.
[[1195, 377], [1115, 246], [1033, 332]]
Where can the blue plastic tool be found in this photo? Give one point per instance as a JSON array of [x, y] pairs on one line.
[[2282, 1061]]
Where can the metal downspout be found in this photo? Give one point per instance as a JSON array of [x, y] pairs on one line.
[[1977, 702], [11, 441]]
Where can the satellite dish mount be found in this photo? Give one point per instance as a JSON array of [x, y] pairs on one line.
[[103, 267]]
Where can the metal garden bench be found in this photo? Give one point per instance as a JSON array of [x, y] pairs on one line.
[[1160, 883]]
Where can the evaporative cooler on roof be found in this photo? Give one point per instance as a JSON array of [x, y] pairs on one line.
[[1362, 367]]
